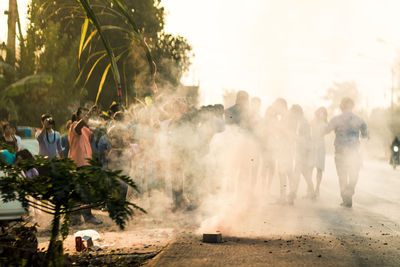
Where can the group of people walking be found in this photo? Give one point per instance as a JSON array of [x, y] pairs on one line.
[[164, 145], [292, 147]]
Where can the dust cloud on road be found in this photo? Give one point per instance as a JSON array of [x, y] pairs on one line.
[[310, 233]]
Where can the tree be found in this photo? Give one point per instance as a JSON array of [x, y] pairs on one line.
[[55, 35], [11, 21], [339, 90], [61, 189]]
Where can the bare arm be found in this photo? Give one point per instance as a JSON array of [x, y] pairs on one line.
[[83, 121], [42, 132], [364, 130], [330, 127], [59, 147]]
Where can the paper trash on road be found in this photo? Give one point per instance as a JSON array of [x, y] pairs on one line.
[[85, 234]]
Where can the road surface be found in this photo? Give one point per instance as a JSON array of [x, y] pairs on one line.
[[319, 233]]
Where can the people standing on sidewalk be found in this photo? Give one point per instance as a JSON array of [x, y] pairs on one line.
[[347, 127], [49, 140]]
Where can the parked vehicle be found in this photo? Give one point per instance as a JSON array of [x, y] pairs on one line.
[[13, 210]]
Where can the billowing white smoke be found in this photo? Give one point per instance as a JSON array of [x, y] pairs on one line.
[[192, 169]]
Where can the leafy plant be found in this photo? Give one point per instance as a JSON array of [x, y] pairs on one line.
[[61, 189]]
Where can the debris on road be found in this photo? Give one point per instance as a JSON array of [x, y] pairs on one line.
[[212, 238]]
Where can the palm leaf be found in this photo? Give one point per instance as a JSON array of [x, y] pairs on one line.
[[113, 64], [20, 86], [83, 35], [93, 33], [86, 63], [104, 76], [135, 28], [91, 70], [103, 79]]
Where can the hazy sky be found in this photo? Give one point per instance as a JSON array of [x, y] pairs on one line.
[[288, 48]]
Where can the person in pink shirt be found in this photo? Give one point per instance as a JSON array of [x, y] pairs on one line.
[[80, 152], [79, 138]]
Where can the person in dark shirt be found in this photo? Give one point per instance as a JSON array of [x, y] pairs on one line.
[[64, 141], [394, 159], [238, 113], [8, 140], [347, 127]]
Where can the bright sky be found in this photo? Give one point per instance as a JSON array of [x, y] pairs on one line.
[[286, 48], [289, 48]]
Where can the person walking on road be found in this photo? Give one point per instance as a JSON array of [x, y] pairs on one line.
[[347, 127], [285, 152], [318, 127], [302, 154]]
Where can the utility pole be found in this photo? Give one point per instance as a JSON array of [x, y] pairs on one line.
[[12, 20]]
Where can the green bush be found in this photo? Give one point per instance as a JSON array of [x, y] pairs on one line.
[[61, 189]]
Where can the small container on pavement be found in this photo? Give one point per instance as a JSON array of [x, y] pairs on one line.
[[89, 242], [79, 246], [212, 238]]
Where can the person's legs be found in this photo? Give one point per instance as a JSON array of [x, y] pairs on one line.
[[285, 170], [123, 189], [319, 179], [294, 179], [282, 186], [271, 173], [267, 172], [354, 169], [353, 178], [342, 173], [89, 217], [307, 172], [177, 178], [244, 181], [255, 154], [177, 190], [264, 173], [76, 218]]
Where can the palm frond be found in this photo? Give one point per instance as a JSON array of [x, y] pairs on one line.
[[19, 87], [113, 64]]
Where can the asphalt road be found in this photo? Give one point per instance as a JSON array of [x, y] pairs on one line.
[[310, 233]]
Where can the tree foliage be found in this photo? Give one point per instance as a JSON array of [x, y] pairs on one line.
[[52, 47], [61, 189], [340, 90], [43, 77]]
